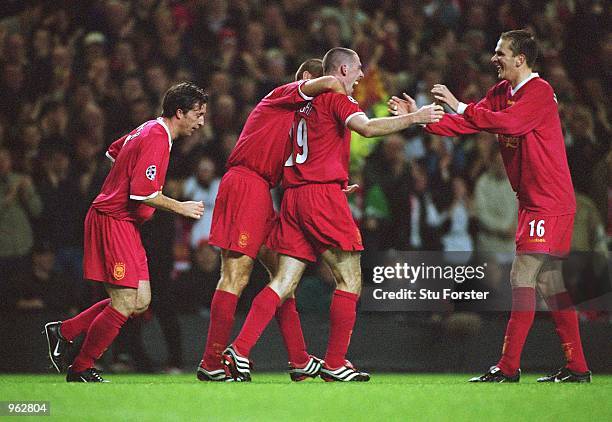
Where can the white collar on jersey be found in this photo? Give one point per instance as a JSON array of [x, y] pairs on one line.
[[160, 120], [519, 86]]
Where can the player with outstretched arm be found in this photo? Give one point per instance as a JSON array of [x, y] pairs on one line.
[[522, 110], [315, 218]]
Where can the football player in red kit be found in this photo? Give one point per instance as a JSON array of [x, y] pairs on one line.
[[243, 217], [522, 110], [113, 251], [315, 218]]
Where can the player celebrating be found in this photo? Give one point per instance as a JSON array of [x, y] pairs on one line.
[[522, 110], [244, 215], [113, 252], [315, 218]]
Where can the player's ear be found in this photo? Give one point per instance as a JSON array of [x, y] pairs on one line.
[[520, 59], [306, 75], [179, 114], [344, 70]]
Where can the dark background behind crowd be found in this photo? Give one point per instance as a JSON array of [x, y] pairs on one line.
[[75, 75]]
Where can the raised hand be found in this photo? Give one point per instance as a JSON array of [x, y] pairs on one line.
[[443, 94], [398, 106], [431, 113]]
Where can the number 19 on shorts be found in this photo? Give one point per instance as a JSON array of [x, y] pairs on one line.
[[536, 228]]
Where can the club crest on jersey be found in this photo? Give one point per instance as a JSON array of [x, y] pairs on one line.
[[243, 239], [151, 172], [352, 99], [119, 271]]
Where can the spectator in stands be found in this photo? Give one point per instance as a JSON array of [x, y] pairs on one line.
[[454, 223], [41, 287], [586, 147], [19, 203], [495, 210], [60, 223], [203, 186]]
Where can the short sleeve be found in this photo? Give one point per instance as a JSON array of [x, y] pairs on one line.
[[146, 181], [345, 107]]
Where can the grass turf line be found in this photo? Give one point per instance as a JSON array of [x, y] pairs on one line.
[[274, 397]]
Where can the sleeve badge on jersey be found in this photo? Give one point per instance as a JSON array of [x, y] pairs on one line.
[[151, 172], [352, 99]]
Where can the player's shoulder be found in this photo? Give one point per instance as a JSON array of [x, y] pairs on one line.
[[335, 97], [152, 127], [157, 129], [539, 84], [284, 89]]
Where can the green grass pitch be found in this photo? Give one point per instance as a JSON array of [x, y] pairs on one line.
[[272, 397]]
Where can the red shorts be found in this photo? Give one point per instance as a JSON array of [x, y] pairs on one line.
[[313, 219], [113, 251], [551, 235], [243, 215]]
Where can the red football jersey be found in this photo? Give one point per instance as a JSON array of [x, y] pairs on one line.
[[321, 141], [140, 164], [263, 145], [531, 142]]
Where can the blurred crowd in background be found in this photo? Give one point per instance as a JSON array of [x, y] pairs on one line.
[[75, 75]]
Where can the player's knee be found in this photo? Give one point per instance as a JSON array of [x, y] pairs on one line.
[[519, 279], [142, 304], [233, 283], [549, 287], [123, 301], [349, 284], [125, 307], [284, 290]]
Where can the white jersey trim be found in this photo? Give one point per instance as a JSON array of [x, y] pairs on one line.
[[160, 120], [519, 86], [304, 96], [109, 156], [142, 198], [353, 115]]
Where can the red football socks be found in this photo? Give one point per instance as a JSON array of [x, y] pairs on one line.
[[566, 322], [521, 318], [100, 336], [73, 327], [222, 311], [262, 310], [289, 323], [342, 315]]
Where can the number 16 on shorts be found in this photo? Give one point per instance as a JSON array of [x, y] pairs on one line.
[[536, 228], [544, 234]]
